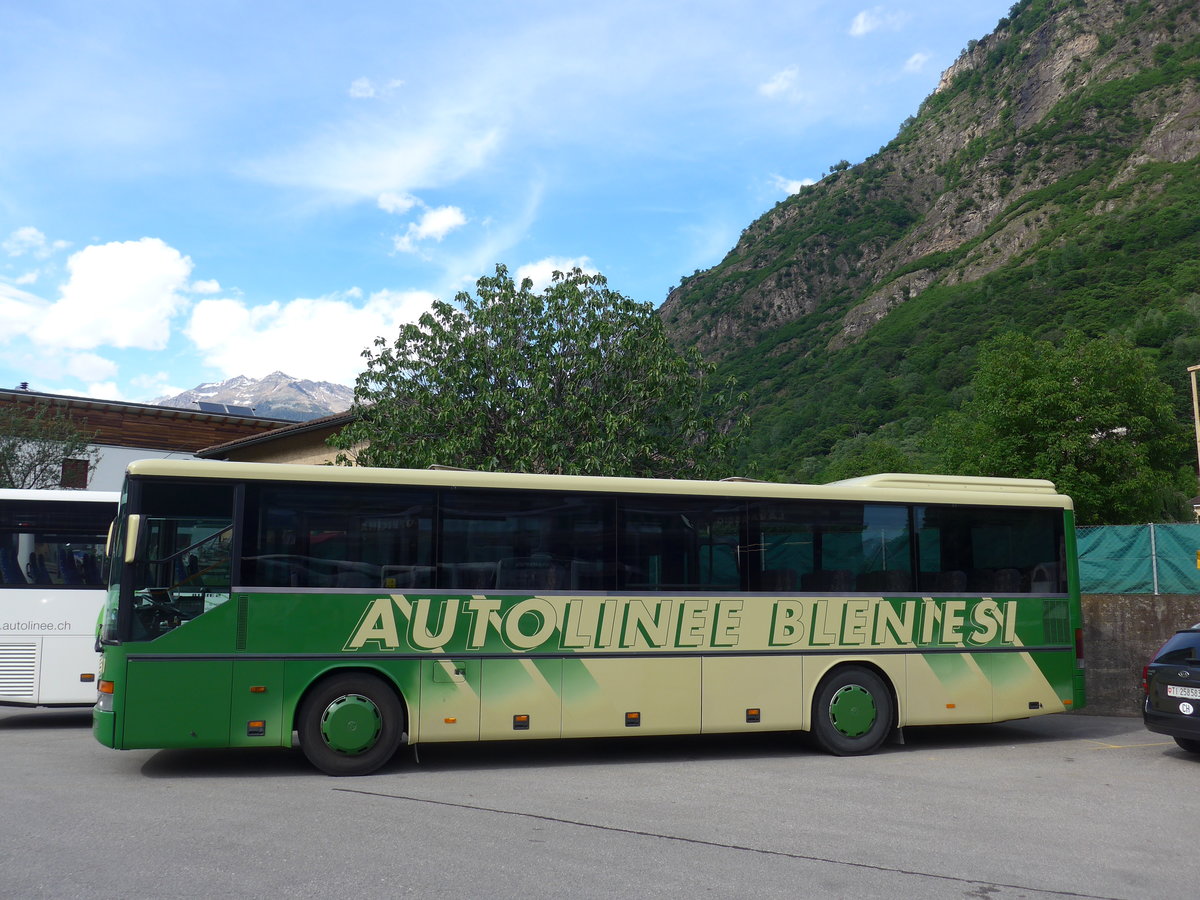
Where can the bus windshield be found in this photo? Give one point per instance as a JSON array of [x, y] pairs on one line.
[[185, 573]]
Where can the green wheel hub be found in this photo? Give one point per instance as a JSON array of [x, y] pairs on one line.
[[351, 724], [852, 710]]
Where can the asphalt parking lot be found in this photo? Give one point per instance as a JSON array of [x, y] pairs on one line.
[[1060, 806]]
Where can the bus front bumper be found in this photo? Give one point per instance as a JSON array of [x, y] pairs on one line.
[[104, 726]]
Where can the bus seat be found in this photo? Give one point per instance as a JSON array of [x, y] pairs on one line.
[[1008, 581], [828, 580], [981, 580], [778, 580], [953, 581], [406, 576], [10, 571], [67, 568], [35, 569], [469, 575], [88, 569], [587, 575], [532, 572], [1044, 578], [882, 580], [347, 577]]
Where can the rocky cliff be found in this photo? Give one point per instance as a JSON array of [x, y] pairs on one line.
[[1049, 182]]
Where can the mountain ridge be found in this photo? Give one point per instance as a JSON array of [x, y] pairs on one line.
[[277, 395]]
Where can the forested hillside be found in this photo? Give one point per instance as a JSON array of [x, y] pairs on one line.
[[1048, 186]]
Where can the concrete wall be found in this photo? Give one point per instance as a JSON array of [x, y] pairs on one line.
[[1120, 634]]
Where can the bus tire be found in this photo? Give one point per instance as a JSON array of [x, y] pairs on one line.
[[350, 724], [853, 712]]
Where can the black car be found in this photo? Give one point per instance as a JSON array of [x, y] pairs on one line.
[[1172, 686]]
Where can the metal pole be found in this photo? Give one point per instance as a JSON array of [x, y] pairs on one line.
[[1195, 413], [1154, 558]]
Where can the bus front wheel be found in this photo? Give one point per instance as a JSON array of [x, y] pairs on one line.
[[852, 712], [350, 724]]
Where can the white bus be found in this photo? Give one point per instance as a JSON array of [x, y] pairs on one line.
[[51, 592]]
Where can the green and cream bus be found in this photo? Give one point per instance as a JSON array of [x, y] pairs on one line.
[[357, 609]]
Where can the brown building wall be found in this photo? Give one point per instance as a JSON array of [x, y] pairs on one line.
[[307, 448], [1120, 633]]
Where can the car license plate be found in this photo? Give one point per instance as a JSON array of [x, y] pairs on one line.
[[1178, 690]]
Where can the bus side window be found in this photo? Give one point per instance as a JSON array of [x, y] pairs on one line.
[[680, 543], [525, 540], [314, 536], [834, 547], [984, 550]]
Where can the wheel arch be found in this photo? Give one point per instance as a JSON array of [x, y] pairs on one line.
[[357, 669]]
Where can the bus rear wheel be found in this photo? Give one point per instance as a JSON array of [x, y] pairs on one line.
[[350, 724], [852, 712]]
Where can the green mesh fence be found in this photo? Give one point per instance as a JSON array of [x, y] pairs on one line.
[[1139, 559]]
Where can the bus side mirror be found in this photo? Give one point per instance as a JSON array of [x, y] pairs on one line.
[[133, 533], [108, 541]]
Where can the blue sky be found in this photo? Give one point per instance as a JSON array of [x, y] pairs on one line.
[[191, 191]]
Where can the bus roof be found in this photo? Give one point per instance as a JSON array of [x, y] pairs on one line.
[[899, 488], [57, 495]]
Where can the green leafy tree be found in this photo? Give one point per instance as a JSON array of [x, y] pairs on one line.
[[33, 446], [871, 455], [576, 380], [1090, 415]]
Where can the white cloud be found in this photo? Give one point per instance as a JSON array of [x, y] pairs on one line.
[[103, 390], [90, 367], [155, 384], [321, 338], [875, 18], [29, 277], [28, 240], [864, 23], [120, 295], [542, 271], [20, 311], [790, 185], [362, 88], [366, 158], [435, 224], [210, 286], [366, 89], [916, 62], [392, 202], [780, 84]]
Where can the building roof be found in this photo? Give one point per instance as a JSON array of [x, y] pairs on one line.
[[122, 424], [336, 420]]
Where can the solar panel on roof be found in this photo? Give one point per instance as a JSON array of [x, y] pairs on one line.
[[206, 406], [239, 410]]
